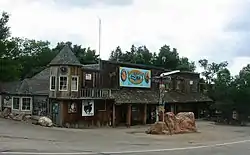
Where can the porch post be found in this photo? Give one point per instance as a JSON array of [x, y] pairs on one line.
[[145, 114], [129, 115], [113, 115]]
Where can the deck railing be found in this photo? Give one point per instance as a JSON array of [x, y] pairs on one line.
[[95, 93]]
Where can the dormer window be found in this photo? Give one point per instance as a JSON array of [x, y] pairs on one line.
[[63, 83], [74, 83], [52, 83]]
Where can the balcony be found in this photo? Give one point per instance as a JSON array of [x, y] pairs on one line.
[[95, 93]]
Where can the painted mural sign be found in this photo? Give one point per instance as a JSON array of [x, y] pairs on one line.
[[88, 108], [133, 77]]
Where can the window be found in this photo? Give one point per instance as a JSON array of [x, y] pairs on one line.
[[16, 103], [193, 86], [63, 83], [178, 84], [26, 104], [52, 83], [74, 83], [88, 76]]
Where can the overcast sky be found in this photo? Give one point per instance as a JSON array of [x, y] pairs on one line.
[[214, 29]]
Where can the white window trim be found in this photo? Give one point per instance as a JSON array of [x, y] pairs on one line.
[[31, 103], [77, 84], [51, 82], [12, 105], [66, 84]]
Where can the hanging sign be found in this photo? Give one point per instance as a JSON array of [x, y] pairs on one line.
[[88, 108]]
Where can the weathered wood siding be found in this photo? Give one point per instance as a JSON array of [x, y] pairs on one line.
[[94, 82], [110, 74], [102, 115], [186, 78], [71, 71]]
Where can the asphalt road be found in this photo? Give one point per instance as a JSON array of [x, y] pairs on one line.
[[21, 138]]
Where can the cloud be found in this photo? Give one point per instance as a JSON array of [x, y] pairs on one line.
[[198, 29], [91, 3]]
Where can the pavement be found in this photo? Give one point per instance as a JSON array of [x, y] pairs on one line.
[[21, 138]]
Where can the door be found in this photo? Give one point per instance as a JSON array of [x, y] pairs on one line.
[[56, 113]]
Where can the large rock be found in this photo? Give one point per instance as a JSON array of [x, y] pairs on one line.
[[6, 112], [183, 122], [19, 117], [45, 121], [158, 128]]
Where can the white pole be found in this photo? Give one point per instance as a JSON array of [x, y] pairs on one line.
[[99, 37]]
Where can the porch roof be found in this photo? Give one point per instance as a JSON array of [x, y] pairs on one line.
[[177, 97], [135, 96]]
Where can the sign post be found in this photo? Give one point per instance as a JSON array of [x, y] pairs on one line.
[[163, 80]]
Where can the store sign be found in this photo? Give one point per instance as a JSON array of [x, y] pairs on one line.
[[88, 108], [133, 77]]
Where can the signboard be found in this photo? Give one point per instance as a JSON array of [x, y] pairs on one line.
[[133, 77], [88, 108], [72, 107]]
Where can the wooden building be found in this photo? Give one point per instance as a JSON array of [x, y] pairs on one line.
[[108, 93]]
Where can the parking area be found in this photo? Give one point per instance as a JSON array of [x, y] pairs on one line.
[[18, 136]]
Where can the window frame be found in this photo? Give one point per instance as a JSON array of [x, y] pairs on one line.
[[50, 84], [77, 82], [67, 83], [19, 100], [29, 103]]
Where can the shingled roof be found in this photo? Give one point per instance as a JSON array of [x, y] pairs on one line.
[[38, 85], [152, 97], [135, 96], [65, 57], [177, 97]]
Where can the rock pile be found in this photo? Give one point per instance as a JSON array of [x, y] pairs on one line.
[[183, 122], [38, 120], [6, 113]]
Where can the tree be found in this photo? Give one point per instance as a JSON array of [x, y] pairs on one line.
[[185, 65], [9, 69], [167, 58], [210, 70], [116, 55]]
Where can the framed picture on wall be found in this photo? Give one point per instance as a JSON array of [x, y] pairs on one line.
[[72, 107], [88, 108]]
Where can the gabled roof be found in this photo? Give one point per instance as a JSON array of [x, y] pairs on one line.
[[65, 57], [37, 85]]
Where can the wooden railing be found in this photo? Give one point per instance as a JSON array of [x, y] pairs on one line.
[[95, 93]]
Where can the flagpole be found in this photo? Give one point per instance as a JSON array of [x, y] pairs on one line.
[[99, 38]]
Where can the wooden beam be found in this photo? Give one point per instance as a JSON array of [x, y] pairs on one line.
[[113, 115], [145, 114], [128, 115]]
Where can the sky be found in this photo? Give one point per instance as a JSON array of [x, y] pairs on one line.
[[217, 30]]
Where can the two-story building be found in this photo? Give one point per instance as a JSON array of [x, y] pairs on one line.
[[103, 94]]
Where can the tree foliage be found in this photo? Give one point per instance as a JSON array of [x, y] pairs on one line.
[[229, 92], [167, 58]]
